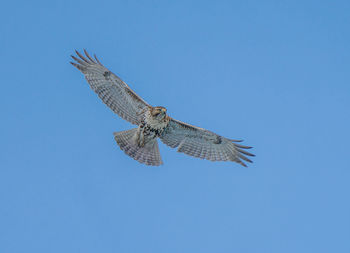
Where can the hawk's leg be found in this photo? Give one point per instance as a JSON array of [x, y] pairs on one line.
[[140, 137]]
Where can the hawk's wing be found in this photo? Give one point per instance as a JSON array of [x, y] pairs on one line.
[[111, 89], [198, 142]]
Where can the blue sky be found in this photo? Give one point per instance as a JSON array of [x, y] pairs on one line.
[[274, 73]]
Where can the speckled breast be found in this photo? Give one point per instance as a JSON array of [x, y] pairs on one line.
[[153, 127]]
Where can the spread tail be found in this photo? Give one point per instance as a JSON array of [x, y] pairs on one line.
[[148, 154]]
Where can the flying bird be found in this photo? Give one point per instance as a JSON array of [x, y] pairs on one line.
[[153, 122]]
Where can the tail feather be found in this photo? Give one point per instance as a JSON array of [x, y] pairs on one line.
[[148, 154]]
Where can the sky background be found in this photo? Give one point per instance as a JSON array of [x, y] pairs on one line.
[[274, 73]]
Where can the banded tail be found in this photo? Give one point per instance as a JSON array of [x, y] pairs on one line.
[[148, 154]]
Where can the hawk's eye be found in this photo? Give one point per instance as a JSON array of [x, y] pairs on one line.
[[156, 112]]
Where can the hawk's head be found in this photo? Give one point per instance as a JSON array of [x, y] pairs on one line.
[[159, 112]]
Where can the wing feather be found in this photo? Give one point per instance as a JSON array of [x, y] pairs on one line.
[[199, 142], [115, 93]]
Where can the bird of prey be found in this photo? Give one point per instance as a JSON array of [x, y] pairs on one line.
[[153, 122]]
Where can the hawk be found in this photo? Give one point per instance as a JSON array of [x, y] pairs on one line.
[[153, 122]]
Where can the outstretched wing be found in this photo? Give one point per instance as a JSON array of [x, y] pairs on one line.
[[198, 142], [111, 89]]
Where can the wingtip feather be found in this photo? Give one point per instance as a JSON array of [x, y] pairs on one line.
[[243, 164], [233, 140], [74, 64], [243, 146], [97, 60], [88, 56], [244, 158], [82, 57]]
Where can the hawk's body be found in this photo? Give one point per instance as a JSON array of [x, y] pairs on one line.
[[153, 122]]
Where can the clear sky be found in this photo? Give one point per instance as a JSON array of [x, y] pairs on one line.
[[274, 73]]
